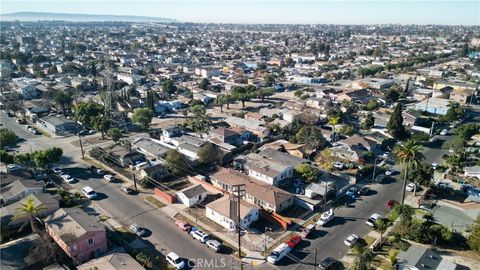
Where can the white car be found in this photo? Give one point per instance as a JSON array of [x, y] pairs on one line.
[[13, 167], [325, 217], [136, 229], [350, 240], [389, 172], [214, 245], [411, 187], [200, 236], [67, 178], [57, 170], [278, 253], [108, 177], [444, 132], [434, 166], [89, 192], [372, 219], [338, 165], [175, 260], [386, 154]]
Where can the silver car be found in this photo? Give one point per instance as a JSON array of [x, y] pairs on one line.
[[136, 229]]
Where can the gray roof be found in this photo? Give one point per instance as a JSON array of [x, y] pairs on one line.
[[151, 147], [282, 158], [194, 191], [58, 121], [424, 259], [17, 187]]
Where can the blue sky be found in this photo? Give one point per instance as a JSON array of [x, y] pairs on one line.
[[269, 11]]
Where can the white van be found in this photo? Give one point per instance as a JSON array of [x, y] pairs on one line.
[[141, 166], [278, 253], [89, 192]]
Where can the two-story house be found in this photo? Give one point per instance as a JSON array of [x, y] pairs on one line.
[[81, 236]]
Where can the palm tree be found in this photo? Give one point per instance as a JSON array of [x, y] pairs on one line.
[[409, 155], [29, 210]]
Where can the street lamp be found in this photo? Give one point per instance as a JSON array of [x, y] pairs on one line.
[[265, 241], [374, 168]]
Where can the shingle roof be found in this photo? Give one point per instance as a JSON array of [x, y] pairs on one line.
[[191, 192], [114, 261], [222, 206]]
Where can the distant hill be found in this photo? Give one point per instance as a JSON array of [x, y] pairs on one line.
[[45, 16]]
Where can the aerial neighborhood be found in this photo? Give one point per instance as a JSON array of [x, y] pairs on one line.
[[168, 145]]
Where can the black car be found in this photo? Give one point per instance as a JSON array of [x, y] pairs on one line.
[[364, 190], [327, 263]]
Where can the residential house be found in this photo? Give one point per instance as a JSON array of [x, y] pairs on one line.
[[123, 156], [220, 212], [262, 195], [422, 258], [361, 96], [432, 105], [347, 153], [294, 149], [232, 136], [254, 126], [473, 171], [191, 196], [157, 171], [358, 142], [18, 190], [461, 96], [25, 87], [58, 125], [253, 116], [374, 83], [81, 236], [150, 147], [112, 261], [39, 199]]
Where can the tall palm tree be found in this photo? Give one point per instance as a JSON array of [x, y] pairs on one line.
[[29, 210], [409, 155]]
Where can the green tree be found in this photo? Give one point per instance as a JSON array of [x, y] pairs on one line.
[[6, 158], [466, 131], [265, 92], [209, 154], [7, 137], [311, 136], [30, 211], [372, 104], [169, 87], [454, 112], [143, 117], [201, 120], [242, 94], [395, 124], [101, 123], [269, 80], [45, 158], [176, 162], [409, 155], [298, 93], [346, 130], [474, 237], [405, 213], [307, 172], [368, 122], [381, 225], [441, 233], [64, 100], [220, 101], [204, 84], [115, 134], [391, 95], [457, 144], [420, 232], [363, 256], [143, 259], [421, 174], [84, 112], [151, 100]]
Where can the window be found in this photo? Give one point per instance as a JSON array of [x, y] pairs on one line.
[[90, 241]]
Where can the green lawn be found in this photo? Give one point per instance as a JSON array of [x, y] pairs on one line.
[[155, 202]]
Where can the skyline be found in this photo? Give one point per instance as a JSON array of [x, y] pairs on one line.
[[283, 12]]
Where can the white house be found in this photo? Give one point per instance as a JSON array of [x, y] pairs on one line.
[[192, 195], [472, 171], [219, 212], [18, 190]]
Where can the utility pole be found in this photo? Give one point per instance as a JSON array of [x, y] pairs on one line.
[[238, 196], [81, 145], [374, 169], [131, 161], [325, 196], [265, 241], [431, 129], [315, 265]]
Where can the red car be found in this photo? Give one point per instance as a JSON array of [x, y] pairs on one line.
[[391, 204], [184, 226], [293, 242]]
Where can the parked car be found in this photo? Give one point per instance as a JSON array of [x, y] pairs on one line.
[[89, 192], [184, 226], [327, 263], [21, 121], [426, 206], [278, 253], [14, 167], [391, 204], [99, 172], [200, 235], [109, 177], [411, 187], [352, 191], [379, 178], [434, 166], [174, 260], [126, 189], [389, 172], [307, 230], [57, 170], [214, 245], [136, 229], [372, 219], [350, 240], [50, 184], [67, 178], [444, 132], [364, 190], [325, 217], [294, 241]]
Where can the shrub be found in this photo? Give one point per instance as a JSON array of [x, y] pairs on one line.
[[392, 255]]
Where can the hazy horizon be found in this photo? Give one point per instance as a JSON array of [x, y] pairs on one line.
[[267, 11]]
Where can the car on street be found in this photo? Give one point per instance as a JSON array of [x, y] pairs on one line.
[[174, 260], [214, 245], [99, 172], [21, 121], [200, 236], [137, 230], [67, 178], [389, 172], [307, 230], [14, 167], [126, 189], [89, 192], [184, 226], [325, 217], [350, 240], [411, 187], [363, 190], [434, 166], [294, 241], [352, 191], [386, 154], [109, 177], [372, 219], [327, 263], [278, 253], [444, 132], [379, 178], [391, 204], [57, 170], [50, 184], [427, 206]]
